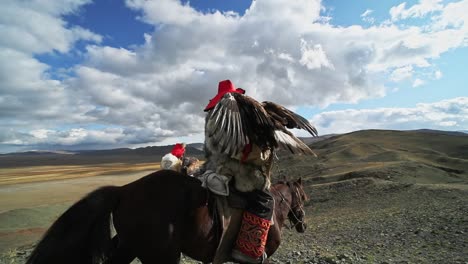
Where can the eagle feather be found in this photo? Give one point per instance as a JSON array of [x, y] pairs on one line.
[[238, 120]]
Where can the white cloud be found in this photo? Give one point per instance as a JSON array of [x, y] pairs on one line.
[[75, 136], [445, 115], [279, 50], [27, 92], [402, 73], [367, 12], [418, 82], [314, 57], [114, 60], [40, 133], [453, 15], [366, 16], [421, 9], [37, 26], [166, 12], [286, 56], [448, 123]]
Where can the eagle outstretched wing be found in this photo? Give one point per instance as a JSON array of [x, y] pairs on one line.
[[288, 118], [284, 118], [238, 120]]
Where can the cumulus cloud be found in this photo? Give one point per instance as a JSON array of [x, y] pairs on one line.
[[444, 115], [453, 15], [401, 73], [29, 97], [312, 63], [38, 26], [76, 138], [279, 50], [422, 8], [314, 57]]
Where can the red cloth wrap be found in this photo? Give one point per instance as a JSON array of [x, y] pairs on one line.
[[252, 236], [178, 150], [246, 152]]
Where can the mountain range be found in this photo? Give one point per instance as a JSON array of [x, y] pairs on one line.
[[369, 145]]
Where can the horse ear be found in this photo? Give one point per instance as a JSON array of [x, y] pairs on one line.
[[299, 181]]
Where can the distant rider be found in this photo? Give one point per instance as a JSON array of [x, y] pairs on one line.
[[173, 160]]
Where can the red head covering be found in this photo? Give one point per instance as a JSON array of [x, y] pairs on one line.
[[178, 150], [224, 87]]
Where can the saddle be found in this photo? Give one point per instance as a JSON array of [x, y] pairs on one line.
[[228, 212]]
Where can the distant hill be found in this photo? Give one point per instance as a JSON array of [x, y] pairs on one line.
[[198, 146], [453, 133], [121, 155], [403, 156], [310, 140], [433, 156]]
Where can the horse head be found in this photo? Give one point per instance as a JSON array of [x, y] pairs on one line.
[[296, 213]]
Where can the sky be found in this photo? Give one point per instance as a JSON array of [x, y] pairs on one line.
[[84, 74]]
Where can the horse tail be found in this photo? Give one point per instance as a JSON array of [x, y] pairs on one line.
[[82, 234]]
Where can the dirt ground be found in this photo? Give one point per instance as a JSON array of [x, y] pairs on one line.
[[357, 221]]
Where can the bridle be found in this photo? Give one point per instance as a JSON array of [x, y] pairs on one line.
[[299, 204]]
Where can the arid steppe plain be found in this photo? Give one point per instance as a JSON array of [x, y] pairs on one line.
[[376, 196]]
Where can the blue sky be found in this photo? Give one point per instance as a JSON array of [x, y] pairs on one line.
[[81, 74]]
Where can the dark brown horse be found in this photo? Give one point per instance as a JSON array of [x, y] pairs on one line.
[[156, 218]]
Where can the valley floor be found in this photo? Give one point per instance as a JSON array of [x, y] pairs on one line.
[[363, 221], [27, 209]]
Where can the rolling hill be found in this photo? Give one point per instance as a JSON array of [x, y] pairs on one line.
[[400, 156], [380, 196]]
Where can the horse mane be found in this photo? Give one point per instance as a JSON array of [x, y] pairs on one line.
[[299, 187], [301, 191]]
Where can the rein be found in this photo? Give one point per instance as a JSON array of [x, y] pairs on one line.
[[290, 209]]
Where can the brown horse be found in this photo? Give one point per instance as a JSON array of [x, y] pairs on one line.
[[156, 218]]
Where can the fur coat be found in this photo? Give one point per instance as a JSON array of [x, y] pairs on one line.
[[248, 173]]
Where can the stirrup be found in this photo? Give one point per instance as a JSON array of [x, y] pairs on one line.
[[238, 256]]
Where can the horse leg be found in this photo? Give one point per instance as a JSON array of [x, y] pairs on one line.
[[119, 253]]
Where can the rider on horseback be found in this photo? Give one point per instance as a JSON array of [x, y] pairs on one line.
[[173, 160], [250, 172], [241, 136]]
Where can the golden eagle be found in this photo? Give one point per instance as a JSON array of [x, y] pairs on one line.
[[236, 120]]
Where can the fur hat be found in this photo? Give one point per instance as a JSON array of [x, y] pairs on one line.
[[171, 162]]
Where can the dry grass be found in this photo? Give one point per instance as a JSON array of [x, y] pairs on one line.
[[52, 173], [32, 197]]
